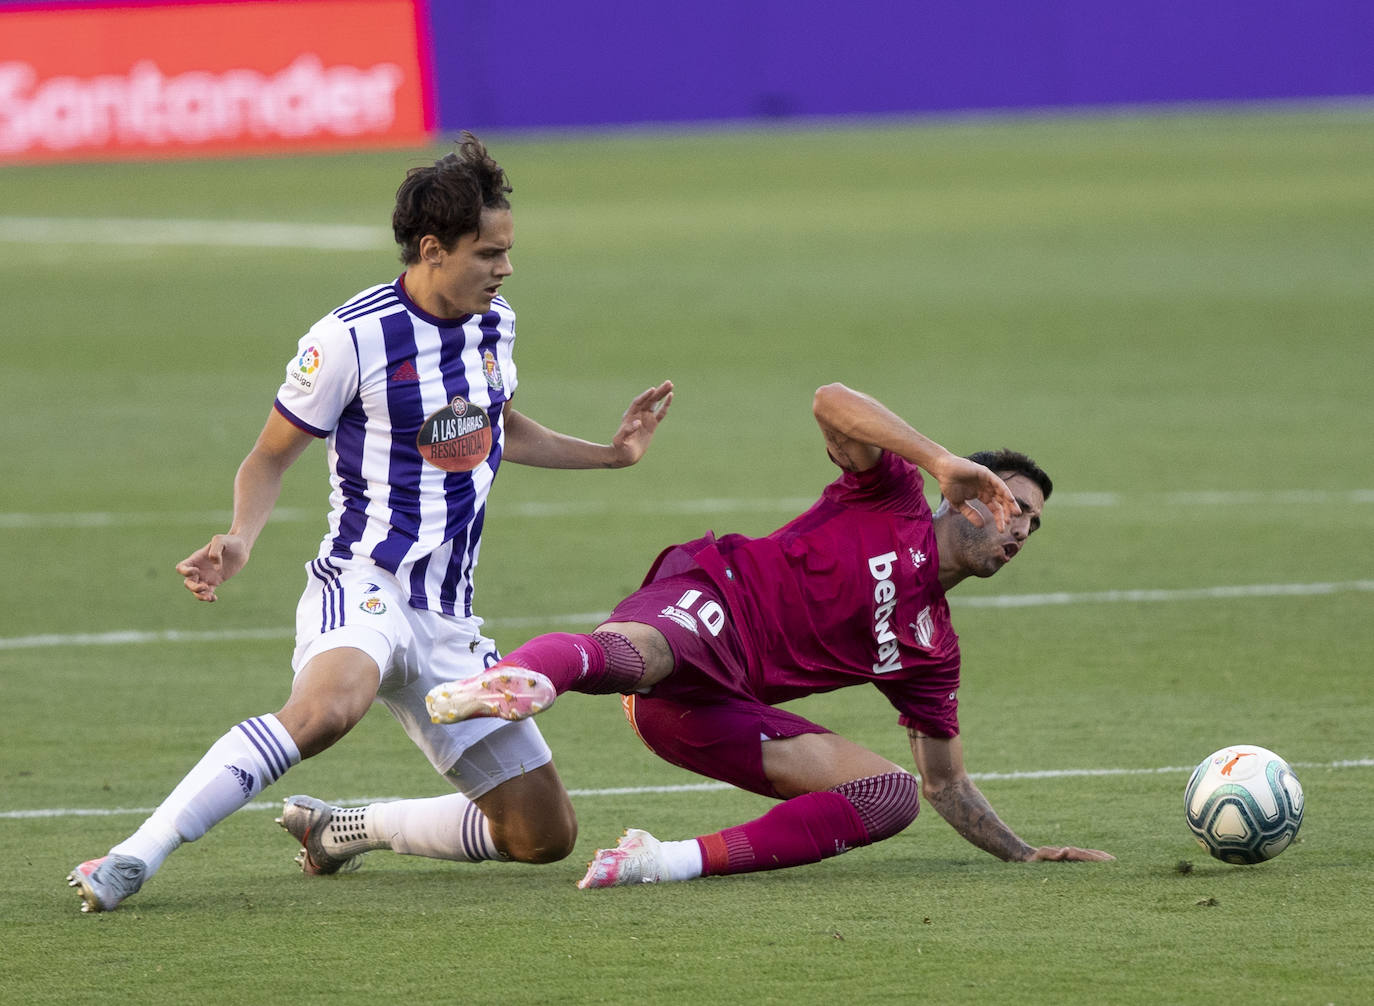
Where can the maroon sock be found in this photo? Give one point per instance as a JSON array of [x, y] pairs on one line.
[[597, 662], [805, 829], [815, 826]]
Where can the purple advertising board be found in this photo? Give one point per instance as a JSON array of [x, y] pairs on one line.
[[532, 63], [555, 64]]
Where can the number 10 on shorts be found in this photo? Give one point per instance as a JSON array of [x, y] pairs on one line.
[[690, 609]]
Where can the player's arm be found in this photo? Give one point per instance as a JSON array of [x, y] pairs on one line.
[[256, 488], [947, 787], [530, 443], [857, 428]]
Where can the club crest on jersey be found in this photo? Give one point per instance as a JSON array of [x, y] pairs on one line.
[[924, 628], [373, 606], [302, 371], [457, 438], [682, 618], [492, 369]]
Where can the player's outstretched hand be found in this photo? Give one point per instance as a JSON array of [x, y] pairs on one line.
[[966, 484], [209, 566], [640, 421], [1069, 854]]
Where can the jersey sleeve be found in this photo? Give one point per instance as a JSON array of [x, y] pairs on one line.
[[321, 379], [893, 485], [928, 702]]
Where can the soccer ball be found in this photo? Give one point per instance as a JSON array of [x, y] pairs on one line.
[[1243, 804]]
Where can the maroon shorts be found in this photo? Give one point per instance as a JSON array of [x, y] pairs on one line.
[[705, 717]]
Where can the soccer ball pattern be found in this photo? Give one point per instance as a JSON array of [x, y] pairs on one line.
[[1244, 804]]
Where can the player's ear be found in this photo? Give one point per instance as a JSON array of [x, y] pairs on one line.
[[431, 250]]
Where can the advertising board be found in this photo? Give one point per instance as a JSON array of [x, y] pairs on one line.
[[196, 78]]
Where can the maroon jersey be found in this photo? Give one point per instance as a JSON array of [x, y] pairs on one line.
[[845, 593]]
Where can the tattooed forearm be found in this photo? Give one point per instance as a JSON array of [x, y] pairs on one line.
[[964, 807]]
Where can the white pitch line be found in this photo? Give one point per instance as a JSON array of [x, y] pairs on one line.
[[700, 787], [126, 637], [210, 519], [1155, 596], [129, 637], [199, 233], [534, 509]]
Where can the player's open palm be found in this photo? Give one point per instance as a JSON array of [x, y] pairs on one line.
[[210, 565], [640, 421], [1069, 854]]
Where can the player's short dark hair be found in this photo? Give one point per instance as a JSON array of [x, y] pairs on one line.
[[1005, 461], [447, 198]]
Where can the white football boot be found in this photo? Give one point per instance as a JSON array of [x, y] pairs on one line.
[[637, 859], [504, 691]]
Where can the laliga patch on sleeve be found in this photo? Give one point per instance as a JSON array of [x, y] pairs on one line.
[[304, 370]]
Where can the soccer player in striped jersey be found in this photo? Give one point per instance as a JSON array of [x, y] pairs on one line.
[[850, 592], [410, 385]]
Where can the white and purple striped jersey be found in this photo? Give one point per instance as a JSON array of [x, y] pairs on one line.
[[410, 406]]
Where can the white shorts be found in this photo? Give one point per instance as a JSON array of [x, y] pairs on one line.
[[355, 603]]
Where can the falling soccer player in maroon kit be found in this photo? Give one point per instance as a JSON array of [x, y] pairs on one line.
[[851, 591]]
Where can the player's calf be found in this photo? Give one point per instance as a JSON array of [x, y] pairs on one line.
[[804, 829]]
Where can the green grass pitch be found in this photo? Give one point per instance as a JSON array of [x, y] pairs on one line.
[[1172, 313]]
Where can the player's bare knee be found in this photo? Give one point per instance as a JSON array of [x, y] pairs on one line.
[[548, 851], [551, 841]]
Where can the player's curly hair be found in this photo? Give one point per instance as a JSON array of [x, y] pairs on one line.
[[1014, 462], [447, 198]]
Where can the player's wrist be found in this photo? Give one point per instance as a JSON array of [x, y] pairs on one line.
[[938, 461]]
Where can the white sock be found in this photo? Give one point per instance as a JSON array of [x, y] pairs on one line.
[[441, 827], [252, 755], [347, 833], [681, 860]]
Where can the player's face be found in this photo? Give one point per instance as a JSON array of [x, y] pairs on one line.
[[985, 550], [469, 274]]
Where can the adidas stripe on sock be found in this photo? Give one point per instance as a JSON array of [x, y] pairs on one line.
[[252, 755]]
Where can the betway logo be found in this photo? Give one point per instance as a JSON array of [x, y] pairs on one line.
[[145, 107], [884, 601]]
